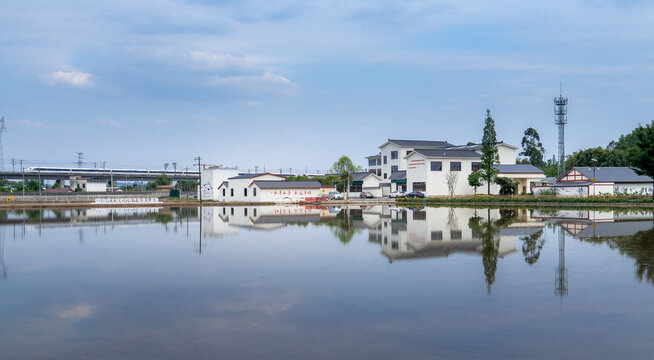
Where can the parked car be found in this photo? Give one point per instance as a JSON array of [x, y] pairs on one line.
[[335, 195], [415, 194], [396, 194], [366, 195]]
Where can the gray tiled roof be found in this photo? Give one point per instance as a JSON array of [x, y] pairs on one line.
[[360, 176], [398, 175], [378, 156], [286, 184], [248, 176], [518, 168], [448, 153], [613, 174], [420, 143]]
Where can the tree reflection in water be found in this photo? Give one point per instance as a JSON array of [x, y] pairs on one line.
[[639, 247], [342, 226], [488, 230], [532, 246]]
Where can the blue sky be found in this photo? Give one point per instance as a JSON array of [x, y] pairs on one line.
[[295, 84]]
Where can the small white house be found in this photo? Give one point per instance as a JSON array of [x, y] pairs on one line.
[[212, 177], [365, 181], [588, 181], [88, 185], [266, 187]]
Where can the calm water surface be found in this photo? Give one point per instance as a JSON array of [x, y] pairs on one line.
[[298, 282]]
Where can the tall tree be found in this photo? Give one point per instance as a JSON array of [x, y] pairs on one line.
[[642, 155], [489, 154], [532, 147], [344, 167]]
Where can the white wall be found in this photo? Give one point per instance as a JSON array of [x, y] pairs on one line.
[[212, 178], [285, 195], [96, 186], [238, 185], [633, 188], [507, 154], [436, 181]]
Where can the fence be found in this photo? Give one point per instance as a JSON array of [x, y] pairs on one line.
[[86, 197]]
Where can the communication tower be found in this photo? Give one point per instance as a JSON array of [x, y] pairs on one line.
[[80, 159], [560, 119]]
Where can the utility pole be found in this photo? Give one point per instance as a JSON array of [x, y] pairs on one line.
[[39, 182], [104, 164], [95, 164], [200, 184], [23, 171], [256, 168], [80, 159], [166, 166], [13, 165]]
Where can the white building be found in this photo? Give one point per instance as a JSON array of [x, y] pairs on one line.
[[366, 181], [438, 168], [88, 185], [212, 177], [585, 181], [266, 187]]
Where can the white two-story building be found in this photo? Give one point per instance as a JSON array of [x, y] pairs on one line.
[[438, 168]]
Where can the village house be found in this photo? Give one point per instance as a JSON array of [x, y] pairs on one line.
[[588, 181]]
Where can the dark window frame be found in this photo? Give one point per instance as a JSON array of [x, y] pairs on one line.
[[436, 166], [455, 166]]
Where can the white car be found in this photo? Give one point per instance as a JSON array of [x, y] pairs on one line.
[[396, 194], [335, 195]]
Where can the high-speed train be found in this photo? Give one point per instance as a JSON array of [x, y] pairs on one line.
[[62, 170]]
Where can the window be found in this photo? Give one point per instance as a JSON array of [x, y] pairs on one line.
[[384, 175], [232, 211], [395, 245], [372, 162], [224, 210], [436, 166], [385, 159], [455, 166], [393, 168], [475, 166], [378, 172], [378, 161], [231, 192], [224, 192], [475, 235], [245, 192], [456, 235], [385, 240], [436, 235], [245, 211], [419, 186], [393, 155], [356, 188], [419, 215], [255, 212], [372, 171], [254, 191]]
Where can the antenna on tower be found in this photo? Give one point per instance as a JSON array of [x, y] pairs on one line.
[[560, 119], [80, 159], [2, 155]]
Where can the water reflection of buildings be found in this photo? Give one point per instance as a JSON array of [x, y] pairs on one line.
[[223, 220], [440, 232], [629, 231]]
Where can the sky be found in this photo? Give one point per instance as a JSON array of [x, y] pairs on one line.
[[296, 84]]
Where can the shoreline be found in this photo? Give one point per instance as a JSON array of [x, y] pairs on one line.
[[391, 202]]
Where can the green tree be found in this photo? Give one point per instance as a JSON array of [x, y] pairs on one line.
[[344, 167], [489, 154], [161, 180], [642, 155], [531, 246], [507, 186], [474, 180], [532, 147]]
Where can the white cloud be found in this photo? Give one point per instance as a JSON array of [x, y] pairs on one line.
[[268, 82], [113, 123], [32, 123], [250, 103], [162, 121], [73, 78]]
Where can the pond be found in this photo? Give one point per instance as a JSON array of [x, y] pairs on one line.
[[279, 282]]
